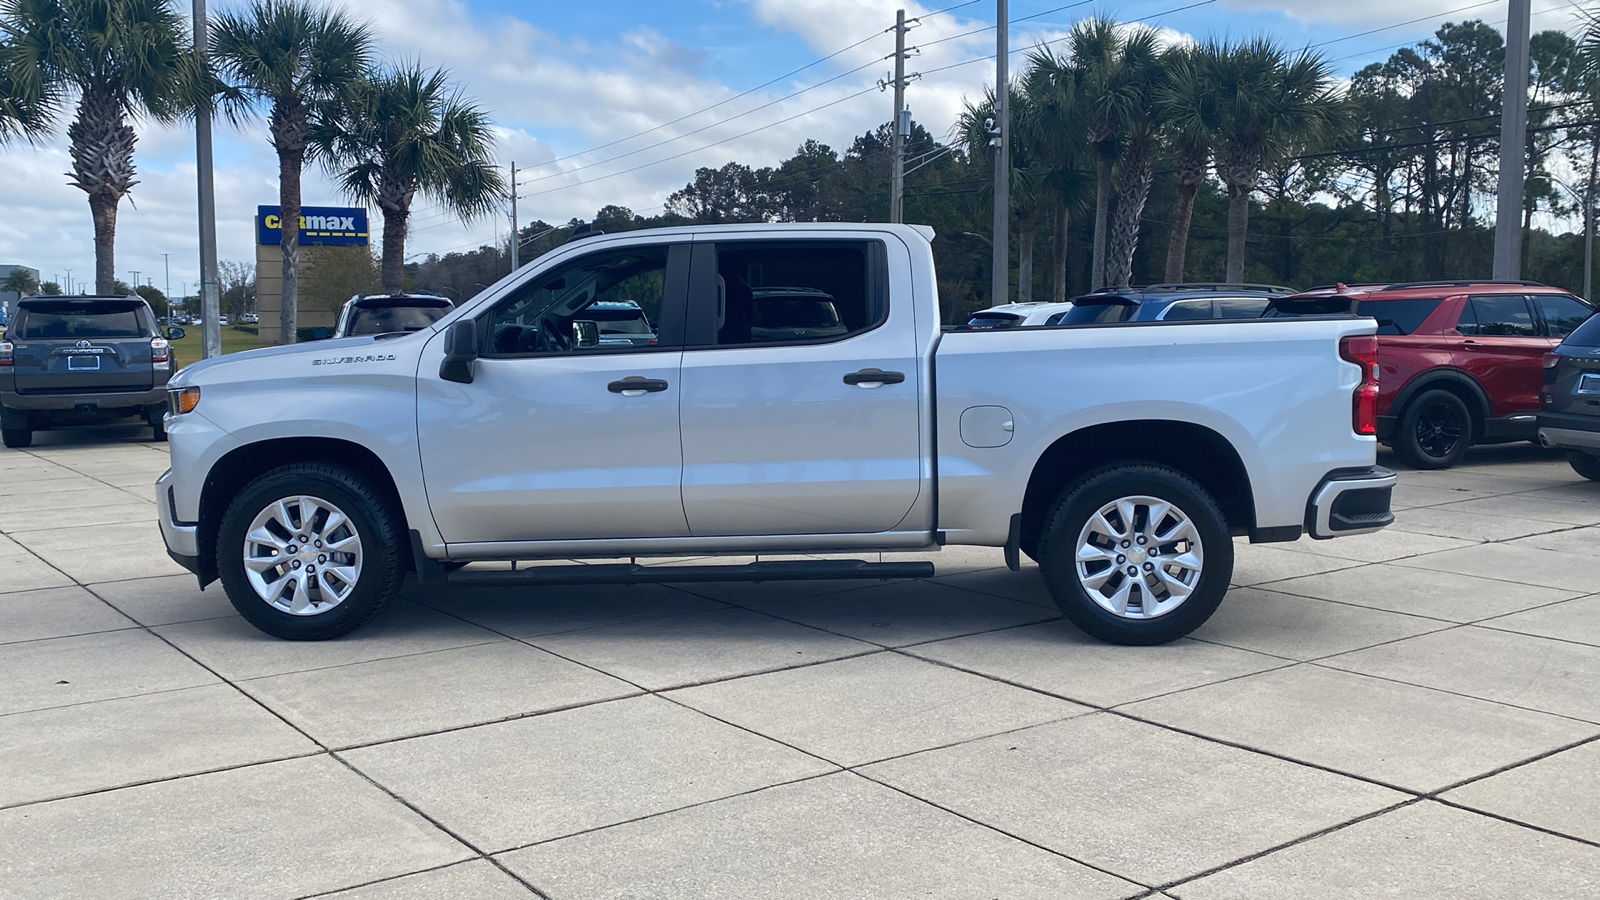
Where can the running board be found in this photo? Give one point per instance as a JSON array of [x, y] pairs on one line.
[[632, 573]]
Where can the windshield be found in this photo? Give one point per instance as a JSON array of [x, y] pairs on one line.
[[794, 314], [384, 319], [1092, 312], [618, 321], [78, 320]]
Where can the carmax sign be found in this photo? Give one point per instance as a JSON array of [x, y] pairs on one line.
[[327, 225]]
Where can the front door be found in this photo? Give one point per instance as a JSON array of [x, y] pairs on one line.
[[569, 428], [800, 410]]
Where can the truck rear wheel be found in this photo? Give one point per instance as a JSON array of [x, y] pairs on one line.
[[1136, 554], [310, 551]]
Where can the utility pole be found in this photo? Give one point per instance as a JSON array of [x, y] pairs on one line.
[[897, 141], [135, 282], [1001, 284], [514, 235], [166, 267], [210, 294], [69, 282], [1513, 152]]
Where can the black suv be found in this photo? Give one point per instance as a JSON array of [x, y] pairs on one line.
[[82, 360], [1569, 415]]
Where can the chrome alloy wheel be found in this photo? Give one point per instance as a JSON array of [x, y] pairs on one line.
[[302, 555], [1139, 557]]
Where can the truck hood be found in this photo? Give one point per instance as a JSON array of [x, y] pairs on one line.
[[287, 353]]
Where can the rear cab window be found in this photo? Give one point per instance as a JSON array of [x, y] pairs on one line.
[[793, 292], [79, 320]]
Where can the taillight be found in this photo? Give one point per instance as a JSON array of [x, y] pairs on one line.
[[160, 350], [1363, 351], [5, 353], [1551, 360]]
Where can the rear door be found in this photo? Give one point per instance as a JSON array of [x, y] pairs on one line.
[[82, 346], [800, 430], [1504, 351]]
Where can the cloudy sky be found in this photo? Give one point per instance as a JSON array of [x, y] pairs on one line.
[[618, 101]]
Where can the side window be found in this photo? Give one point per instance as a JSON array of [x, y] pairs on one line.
[[604, 302], [1400, 316], [1241, 307], [1502, 315], [1187, 311], [776, 292], [1562, 314]]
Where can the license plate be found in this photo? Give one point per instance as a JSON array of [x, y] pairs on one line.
[[1589, 384], [83, 363]]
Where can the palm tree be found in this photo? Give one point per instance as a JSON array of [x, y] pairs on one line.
[[1187, 103], [121, 59], [1142, 124], [290, 57], [1106, 90], [400, 132], [1054, 132], [1267, 103], [19, 281]]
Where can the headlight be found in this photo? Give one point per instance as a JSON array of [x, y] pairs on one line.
[[182, 400]]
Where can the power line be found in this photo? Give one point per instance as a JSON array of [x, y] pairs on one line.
[[1413, 43], [1440, 15]]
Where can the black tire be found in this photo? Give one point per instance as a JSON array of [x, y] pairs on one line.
[[17, 438], [1435, 431], [384, 562], [1081, 500], [1584, 464], [158, 426]]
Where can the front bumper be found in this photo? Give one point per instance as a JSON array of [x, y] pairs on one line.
[[1352, 501], [182, 538]]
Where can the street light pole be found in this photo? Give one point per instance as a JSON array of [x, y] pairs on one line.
[[513, 215], [1000, 288], [210, 299]]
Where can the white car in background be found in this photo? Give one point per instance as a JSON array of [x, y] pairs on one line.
[[1017, 315], [390, 313]]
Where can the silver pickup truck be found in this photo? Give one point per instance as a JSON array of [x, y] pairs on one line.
[[82, 360], [1124, 458]]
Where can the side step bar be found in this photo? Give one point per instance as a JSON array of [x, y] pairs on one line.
[[632, 573]]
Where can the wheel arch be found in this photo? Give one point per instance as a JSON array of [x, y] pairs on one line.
[[1195, 450], [243, 464], [1456, 382]]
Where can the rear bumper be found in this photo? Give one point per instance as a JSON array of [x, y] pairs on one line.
[[1567, 432], [127, 400], [1352, 501]]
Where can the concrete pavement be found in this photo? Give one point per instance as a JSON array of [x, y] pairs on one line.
[[1407, 714]]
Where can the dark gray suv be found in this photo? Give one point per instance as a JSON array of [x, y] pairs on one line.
[[82, 360], [1569, 415]]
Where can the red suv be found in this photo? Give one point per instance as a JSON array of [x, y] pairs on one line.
[[1461, 362]]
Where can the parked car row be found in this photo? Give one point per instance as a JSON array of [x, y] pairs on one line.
[[1460, 362]]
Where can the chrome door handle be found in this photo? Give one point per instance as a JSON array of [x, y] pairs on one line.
[[874, 378], [636, 386]]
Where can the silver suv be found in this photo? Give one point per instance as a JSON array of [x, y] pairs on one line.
[[82, 360]]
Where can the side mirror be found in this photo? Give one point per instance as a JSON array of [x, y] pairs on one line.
[[460, 351], [175, 334], [585, 334]]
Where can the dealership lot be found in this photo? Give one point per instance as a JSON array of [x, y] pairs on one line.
[[1411, 713]]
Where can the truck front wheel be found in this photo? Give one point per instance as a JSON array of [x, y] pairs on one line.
[[1136, 554], [310, 551]]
